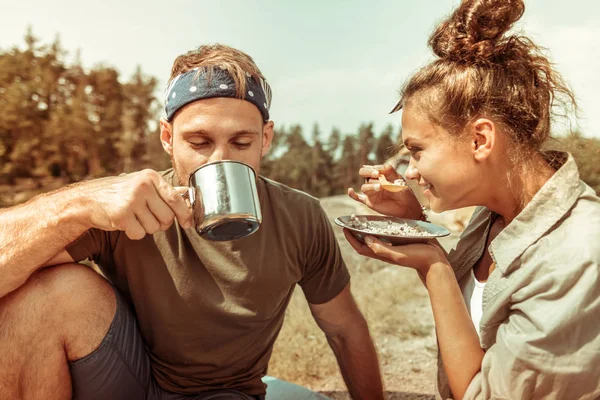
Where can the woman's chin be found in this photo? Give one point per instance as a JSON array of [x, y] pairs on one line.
[[435, 209], [434, 203], [438, 206]]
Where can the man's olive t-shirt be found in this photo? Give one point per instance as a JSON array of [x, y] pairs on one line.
[[211, 311]]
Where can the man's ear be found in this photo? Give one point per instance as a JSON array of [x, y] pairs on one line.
[[267, 137], [166, 136], [483, 138]]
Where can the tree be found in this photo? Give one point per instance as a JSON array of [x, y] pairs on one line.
[[103, 99], [335, 138], [384, 148], [139, 109], [156, 157], [58, 119], [348, 165], [366, 140], [294, 166], [322, 167], [23, 114], [270, 162]]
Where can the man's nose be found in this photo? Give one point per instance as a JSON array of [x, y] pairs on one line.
[[220, 153]]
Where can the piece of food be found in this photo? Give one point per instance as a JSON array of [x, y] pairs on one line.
[[387, 227], [396, 186]]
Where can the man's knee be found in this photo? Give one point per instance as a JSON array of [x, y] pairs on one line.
[[70, 301], [72, 287], [73, 283]]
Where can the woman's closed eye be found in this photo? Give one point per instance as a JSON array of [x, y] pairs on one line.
[[414, 151]]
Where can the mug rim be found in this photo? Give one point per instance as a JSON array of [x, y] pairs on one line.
[[221, 162]]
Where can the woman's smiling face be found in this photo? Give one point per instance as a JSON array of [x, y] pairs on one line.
[[442, 164]]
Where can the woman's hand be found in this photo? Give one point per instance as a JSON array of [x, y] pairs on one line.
[[418, 256], [402, 204]]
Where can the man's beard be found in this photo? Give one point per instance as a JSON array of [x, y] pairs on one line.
[[183, 181]]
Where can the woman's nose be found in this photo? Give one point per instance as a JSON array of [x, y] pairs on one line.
[[411, 172]]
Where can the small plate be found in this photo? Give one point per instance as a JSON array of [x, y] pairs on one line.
[[381, 221]]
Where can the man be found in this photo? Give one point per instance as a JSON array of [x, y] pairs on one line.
[[182, 317]]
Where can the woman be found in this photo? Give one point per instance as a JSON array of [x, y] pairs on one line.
[[517, 302]]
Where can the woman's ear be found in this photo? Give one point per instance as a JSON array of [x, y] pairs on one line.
[[483, 138], [166, 136]]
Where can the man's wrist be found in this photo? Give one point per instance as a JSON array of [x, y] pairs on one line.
[[70, 210]]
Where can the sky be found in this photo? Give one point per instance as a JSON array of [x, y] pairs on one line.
[[338, 63]]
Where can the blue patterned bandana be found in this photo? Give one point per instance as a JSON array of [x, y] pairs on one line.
[[195, 85]]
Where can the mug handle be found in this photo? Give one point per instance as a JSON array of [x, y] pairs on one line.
[[189, 195]]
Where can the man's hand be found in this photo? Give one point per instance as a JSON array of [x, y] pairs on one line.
[[138, 204], [402, 204]]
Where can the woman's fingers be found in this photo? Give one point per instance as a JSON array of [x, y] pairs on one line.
[[373, 172], [360, 247], [388, 171], [379, 248], [416, 256], [369, 171], [361, 198], [408, 255], [357, 245], [370, 188], [419, 256]]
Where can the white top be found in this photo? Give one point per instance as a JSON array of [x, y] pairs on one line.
[[473, 294]]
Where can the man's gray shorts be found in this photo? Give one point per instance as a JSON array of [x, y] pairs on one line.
[[119, 369]]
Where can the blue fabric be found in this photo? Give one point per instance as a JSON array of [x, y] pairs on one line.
[[198, 84], [278, 389]]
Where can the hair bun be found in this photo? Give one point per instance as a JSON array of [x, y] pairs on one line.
[[474, 32]]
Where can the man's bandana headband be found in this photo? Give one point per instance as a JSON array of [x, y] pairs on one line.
[[192, 86]]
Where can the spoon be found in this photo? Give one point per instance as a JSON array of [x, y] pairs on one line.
[[396, 186]]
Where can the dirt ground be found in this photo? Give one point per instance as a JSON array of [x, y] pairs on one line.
[[396, 307]]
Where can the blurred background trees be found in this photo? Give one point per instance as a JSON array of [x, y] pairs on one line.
[[58, 120], [60, 123]]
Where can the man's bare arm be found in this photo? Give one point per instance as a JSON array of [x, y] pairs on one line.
[[36, 233], [33, 233], [348, 336]]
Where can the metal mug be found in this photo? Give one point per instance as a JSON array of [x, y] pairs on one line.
[[224, 200]]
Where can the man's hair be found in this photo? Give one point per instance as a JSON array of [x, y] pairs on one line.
[[238, 64]]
